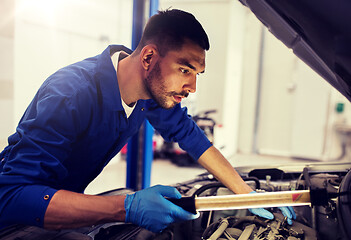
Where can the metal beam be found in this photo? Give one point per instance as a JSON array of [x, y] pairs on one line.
[[140, 151]]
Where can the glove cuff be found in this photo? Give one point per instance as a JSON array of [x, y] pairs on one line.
[[127, 206]]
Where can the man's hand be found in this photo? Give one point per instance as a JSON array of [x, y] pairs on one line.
[[288, 212], [149, 209]]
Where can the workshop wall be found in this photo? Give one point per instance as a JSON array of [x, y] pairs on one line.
[[53, 34], [7, 26], [287, 109], [293, 104]]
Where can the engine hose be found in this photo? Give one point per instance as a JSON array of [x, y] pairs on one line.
[[249, 219], [255, 179], [206, 187], [220, 230], [219, 185], [202, 177], [210, 229], [235, 223], [307, 177]]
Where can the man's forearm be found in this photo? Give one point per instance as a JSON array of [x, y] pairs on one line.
[[217, 165], [71, 210]]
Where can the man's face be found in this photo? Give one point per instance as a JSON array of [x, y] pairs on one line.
[[174, 76]]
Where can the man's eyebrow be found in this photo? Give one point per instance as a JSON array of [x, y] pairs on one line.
[[185, 62]]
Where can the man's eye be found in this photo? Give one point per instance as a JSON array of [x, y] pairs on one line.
[[185, 71]]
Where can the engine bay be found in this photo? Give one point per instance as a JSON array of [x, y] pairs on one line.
[[312, 222]]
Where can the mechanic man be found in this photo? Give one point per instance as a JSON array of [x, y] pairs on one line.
[[84, 113]]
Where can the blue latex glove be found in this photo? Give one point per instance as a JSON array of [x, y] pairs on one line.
[[287, 212], [149, 209]]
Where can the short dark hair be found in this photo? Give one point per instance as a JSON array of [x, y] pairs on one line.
[[170, 28]]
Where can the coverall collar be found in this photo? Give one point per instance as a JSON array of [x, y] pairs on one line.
[[107, 75]]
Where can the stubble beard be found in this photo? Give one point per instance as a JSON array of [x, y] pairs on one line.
[[155, 85]]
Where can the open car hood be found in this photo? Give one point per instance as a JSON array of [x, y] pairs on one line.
[[318, 32]]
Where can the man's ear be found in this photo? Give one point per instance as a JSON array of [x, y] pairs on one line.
[[149, 56]]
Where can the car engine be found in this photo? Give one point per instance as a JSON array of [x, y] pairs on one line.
[[317, 222], [327, 222]]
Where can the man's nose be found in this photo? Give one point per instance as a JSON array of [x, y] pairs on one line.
[[191, 85]]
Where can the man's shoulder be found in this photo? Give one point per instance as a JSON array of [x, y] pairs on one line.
[[71, 80]]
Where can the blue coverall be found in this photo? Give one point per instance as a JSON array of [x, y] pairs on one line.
[[72, 128]]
